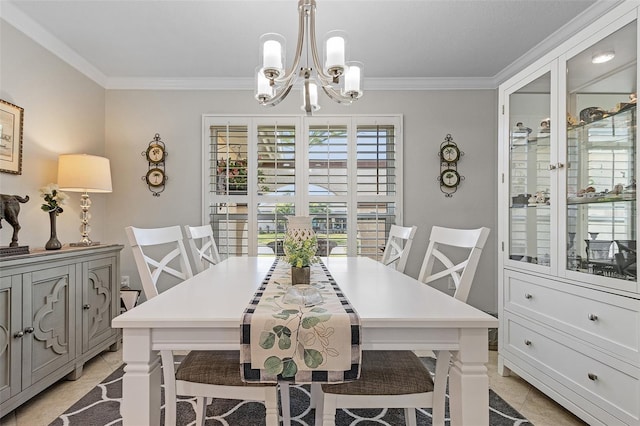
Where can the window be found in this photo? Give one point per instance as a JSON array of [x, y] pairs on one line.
[[259, 170]]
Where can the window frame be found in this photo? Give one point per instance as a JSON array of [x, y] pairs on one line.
[[301, 199]]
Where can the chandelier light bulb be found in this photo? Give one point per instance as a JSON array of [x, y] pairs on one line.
[[310, 104], [335, 53], [264, 90], [352, 80], [272, 55]]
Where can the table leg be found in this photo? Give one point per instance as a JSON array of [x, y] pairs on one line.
[[141, 381], [468, 380]]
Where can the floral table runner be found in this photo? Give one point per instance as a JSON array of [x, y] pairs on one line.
[[299, 342]]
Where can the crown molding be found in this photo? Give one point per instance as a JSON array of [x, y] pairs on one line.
[[33, 30], [194, 83], [461, 83]]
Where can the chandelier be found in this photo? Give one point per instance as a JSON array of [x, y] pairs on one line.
[[340, 80]]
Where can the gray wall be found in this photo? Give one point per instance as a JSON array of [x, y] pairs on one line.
[[64, 113], [122, 122]]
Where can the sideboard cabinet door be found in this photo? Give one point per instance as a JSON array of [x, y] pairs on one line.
[[10, 336], [49, 298], [99, 297]]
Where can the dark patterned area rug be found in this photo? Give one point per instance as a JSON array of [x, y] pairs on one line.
[[101, 407]]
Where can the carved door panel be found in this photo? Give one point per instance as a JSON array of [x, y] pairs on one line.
[[10, 336], [98, 290], [51, 317]]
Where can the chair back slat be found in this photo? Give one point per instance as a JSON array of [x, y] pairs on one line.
[[206, 254], [146, 244], [462, 272], [396, 252]]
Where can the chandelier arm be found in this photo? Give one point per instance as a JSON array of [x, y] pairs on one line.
[[336, 96], [279, 97], [296, 59], [324, 78]]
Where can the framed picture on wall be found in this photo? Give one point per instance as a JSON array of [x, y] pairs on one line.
[[11, 118]]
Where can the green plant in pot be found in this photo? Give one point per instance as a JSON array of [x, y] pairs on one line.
[[300, 254]]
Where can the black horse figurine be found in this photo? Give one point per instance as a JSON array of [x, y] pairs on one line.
[[9, 209]]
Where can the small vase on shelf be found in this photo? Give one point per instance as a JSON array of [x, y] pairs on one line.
[[53, 243]]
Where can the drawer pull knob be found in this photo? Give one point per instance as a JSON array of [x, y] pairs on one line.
[[592, 376], [29, 330], [593, 317], [87, 306], [528, 296], [19, 334], [527, 342]]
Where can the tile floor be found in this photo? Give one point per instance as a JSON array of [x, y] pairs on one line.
[[44, 408]]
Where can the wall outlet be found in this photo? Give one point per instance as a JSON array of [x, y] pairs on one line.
[[124, 281], [451, 285]]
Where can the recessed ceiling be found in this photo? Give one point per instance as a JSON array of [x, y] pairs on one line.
[[136, 40]]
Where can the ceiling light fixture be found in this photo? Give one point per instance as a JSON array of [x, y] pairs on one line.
[[602, 57], [340, 80]]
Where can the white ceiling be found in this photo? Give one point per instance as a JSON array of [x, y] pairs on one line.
[[214, 43]]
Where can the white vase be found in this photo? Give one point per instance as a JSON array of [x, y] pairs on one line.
[[299, 228]]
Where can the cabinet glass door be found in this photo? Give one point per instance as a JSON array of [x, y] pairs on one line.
[[601, 215], [529, 173]]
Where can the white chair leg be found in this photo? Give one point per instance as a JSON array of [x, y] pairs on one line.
[[329, 406], [440, 387], [170, 399], [319, 404], [410, 417], [201, 410], [316, 394], [285, 402], [271, 406]]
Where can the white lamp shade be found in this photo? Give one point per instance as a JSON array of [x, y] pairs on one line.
[[264, 90], [335, 52], [84, 173], [353, 80]]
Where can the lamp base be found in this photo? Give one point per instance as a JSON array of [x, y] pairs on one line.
[[83, 244]]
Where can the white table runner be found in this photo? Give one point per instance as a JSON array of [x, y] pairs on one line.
[[298, 342]]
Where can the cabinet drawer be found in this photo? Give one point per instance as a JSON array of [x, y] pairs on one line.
[[608, 383], [609, 321]]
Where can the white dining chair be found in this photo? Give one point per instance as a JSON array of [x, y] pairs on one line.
[[396, 252], [203, 246], [387, 377], [395, 255], [439, 264], [203, 374], [158, 252]]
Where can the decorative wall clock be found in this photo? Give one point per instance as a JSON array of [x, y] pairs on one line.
[[156, 177], [449, 177]]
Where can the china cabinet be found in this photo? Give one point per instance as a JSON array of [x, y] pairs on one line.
[[569, 301], [55, 314]]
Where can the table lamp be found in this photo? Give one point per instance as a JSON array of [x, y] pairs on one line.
[[84, 173]]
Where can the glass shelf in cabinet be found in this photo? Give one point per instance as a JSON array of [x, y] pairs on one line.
[[601, 199]]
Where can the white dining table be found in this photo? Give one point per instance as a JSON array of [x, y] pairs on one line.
[[397, 312]]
